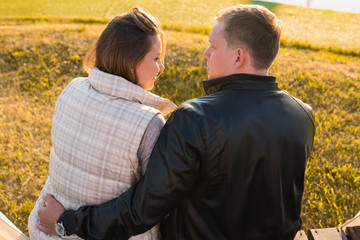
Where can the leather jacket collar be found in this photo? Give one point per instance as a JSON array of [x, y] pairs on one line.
[[241, 80]]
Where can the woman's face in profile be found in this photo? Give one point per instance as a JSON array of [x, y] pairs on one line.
[[149, 67]]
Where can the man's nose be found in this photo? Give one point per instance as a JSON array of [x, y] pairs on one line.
[[206, 54]]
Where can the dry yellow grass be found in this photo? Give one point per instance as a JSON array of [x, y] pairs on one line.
[[39, 59]]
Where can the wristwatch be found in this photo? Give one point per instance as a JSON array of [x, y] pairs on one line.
[[60, 229]]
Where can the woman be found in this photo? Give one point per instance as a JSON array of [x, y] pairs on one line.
[[105, 125]]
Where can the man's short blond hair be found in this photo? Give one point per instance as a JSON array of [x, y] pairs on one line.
[[254, 27]]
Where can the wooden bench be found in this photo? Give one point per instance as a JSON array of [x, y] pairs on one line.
[[322, 234], [348, 231]]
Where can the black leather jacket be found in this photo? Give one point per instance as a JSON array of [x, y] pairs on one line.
[[229, 165]]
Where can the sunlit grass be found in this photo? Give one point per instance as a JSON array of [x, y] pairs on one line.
[[320, 28], [313, 27], [173, 11], [41, 54]]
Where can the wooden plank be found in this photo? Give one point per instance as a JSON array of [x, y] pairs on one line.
[[301, 235], [8, 230], [327, 234]]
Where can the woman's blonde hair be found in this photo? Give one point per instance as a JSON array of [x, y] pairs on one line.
[[124, 43]]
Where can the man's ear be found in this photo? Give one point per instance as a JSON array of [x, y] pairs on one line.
[[240, 57]]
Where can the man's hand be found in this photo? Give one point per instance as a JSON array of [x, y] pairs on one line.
[[49, 212]]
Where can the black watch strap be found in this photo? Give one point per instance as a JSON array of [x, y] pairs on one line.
[[68, 221]]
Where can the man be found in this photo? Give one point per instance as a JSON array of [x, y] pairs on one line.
[[229, 165]]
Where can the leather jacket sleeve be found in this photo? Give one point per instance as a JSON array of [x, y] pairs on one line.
[[172, 170]]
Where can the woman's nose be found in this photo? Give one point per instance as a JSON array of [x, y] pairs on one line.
[[161, 66]]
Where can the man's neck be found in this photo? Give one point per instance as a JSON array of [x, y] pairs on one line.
[[262, 72], [249, 69]]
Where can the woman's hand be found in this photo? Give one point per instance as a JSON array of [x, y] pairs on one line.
[[49, 212]]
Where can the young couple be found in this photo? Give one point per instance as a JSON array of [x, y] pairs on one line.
[[229, 165]]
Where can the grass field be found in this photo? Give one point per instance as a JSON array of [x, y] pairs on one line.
[[304, 26], [42, 50]]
